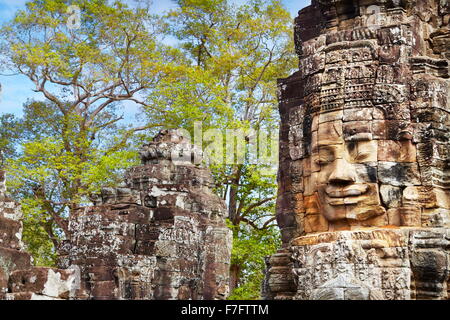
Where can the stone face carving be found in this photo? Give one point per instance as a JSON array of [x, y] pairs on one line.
[[364, 143], [366, 113], [160, 236]]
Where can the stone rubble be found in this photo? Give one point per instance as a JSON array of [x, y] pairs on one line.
[[19, 280]]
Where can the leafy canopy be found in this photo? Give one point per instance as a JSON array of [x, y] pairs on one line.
[[75, 139]]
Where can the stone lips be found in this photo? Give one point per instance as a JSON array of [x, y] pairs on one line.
[[160, 236], [12, 257], [364, 143]]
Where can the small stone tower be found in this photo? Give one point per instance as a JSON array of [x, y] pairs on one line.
[[161, 236], [364, 177]]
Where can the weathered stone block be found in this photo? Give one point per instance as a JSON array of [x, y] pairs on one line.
[[398, 174], [372, 123], [410, 216], [10, 233], [391, 196], [11, 260], [315, 223], [104, 290], [396, 151], [43, 281]]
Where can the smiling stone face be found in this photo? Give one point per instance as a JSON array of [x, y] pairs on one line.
[[365, 126], [346, 185], [340, 181], [354, 166], [375, 158], [364, 174]]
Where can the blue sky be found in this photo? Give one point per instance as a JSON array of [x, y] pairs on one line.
[[17, 89]]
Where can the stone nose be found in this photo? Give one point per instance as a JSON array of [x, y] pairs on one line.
[[343, 174]]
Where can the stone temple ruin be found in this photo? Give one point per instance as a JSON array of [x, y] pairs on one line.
[[364, 178], [364, 181], [19, 280], [160, 236]]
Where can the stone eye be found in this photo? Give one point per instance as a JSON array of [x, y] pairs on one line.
[[358, 150], [325, 156], [351, 146]]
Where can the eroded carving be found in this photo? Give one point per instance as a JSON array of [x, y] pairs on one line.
[[160, 236]]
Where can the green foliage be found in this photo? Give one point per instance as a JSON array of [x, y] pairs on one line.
[[35, 234], [250, 247], [58, 170], [240, 51], [10, 133], [193, 94], [112, 52]]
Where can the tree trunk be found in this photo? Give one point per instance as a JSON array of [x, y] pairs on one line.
[[235, 271], [232, 204], [233, 215]]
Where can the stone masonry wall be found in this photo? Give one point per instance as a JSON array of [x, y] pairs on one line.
[[162, 235]]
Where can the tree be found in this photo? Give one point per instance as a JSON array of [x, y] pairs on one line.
[[50, 180], [233, 56], [84, 64], [250, 246], [10, 133]]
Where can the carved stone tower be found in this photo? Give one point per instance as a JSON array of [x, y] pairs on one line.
[[364, 178], [161, 236]]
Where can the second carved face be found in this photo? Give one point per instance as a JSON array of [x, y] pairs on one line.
[[346, 181]]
